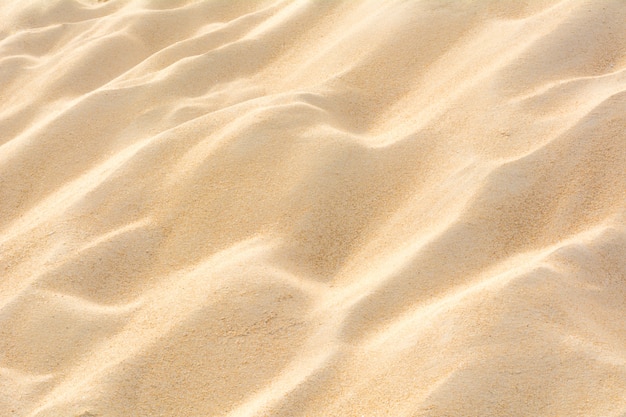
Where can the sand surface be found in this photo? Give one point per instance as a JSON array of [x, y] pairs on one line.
[[312, 208]]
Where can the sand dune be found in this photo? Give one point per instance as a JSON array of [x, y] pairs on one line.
[[312, 208]]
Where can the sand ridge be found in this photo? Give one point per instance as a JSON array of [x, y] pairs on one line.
[[312, 208]]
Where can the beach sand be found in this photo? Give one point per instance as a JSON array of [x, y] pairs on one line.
[[312, 208]]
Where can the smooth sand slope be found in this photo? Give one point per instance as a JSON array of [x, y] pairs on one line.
[[312, 208]]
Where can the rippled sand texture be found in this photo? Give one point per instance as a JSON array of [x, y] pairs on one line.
[[312, 208]]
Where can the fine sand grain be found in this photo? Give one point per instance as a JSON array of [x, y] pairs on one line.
[[312, 208]]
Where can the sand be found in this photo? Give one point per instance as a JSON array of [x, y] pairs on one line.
[[312, 208]]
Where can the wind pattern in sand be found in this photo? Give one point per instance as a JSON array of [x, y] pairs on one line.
[[312, 208]]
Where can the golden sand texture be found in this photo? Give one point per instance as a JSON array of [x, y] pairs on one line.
[[312, 208]]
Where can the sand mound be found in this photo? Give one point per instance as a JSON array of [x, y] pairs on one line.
[[312, 208]]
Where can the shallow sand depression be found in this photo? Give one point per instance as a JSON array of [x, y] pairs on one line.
[[312, 208]]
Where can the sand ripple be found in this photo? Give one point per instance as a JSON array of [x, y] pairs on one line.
[[310, 208]]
